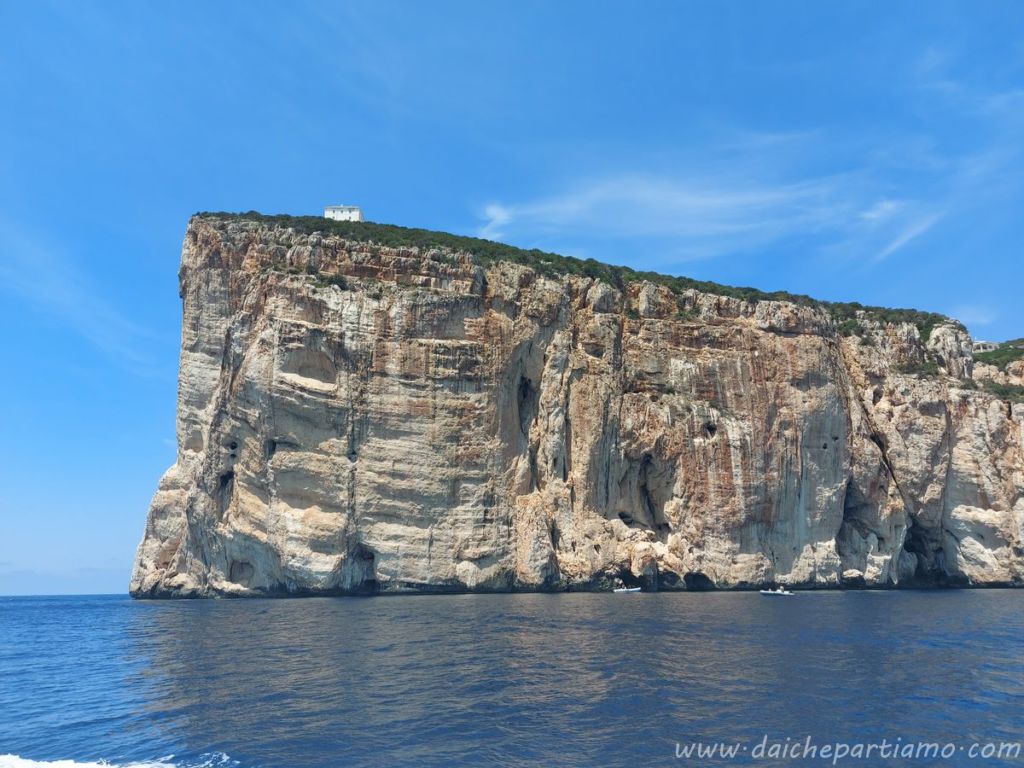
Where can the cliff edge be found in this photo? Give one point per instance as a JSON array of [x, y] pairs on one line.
[[362, 410]]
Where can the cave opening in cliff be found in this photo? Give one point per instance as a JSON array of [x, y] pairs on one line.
[[927, 550], [710, 429], [854, 502], [526, 404], [225, 489], [915, 542], [855, 527], [668, 579], [653, 512], [697, 581], [646, 502], [626, 578], [241, 572], [366, 561]]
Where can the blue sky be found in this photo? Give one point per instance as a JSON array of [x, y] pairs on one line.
[[859, 151]]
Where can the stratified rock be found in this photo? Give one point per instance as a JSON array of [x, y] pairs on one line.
[[359, 418]]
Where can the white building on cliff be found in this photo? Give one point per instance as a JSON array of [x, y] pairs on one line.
[[343, 212]]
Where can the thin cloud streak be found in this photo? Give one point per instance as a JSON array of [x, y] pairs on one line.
[[914, 230], [752, 190], [705, 218], [714, 214]]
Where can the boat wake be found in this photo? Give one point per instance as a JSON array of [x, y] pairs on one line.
[[213, 760]]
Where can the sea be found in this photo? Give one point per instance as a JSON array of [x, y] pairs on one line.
[[513, 680]]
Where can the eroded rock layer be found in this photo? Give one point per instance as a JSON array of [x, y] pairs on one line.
[[358, 418]]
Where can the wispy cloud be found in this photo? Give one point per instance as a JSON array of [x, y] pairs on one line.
[[930, 70], [913, 229], [894, 224], [51, 284], [684, 207], [705, 217], [884, 194]]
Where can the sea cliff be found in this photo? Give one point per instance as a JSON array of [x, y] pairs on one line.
[[361, 411]]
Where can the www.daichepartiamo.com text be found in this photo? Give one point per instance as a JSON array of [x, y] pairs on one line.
[[836, 752]]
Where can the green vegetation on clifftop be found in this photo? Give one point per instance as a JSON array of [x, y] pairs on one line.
[[487, 252]]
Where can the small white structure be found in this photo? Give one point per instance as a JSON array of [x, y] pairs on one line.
[[343, 212], [986, 346]]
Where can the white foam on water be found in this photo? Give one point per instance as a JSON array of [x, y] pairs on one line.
[[205, 761]]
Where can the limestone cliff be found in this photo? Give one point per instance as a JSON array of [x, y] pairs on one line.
[[355, 417]]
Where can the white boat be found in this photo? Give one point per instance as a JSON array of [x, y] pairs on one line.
[[780, 592], [627, 589]]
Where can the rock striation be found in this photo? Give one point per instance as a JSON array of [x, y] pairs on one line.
[[355, 418]]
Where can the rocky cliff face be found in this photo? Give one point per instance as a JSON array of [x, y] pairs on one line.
[[426, 424]]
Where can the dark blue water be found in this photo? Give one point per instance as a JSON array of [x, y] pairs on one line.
[[513, 680]]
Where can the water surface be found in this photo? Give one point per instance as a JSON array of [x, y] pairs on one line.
[[513, 680]]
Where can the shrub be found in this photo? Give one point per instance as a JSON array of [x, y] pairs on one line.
[[926, 368], [339, 281], [1013, 393], [850, 326]]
